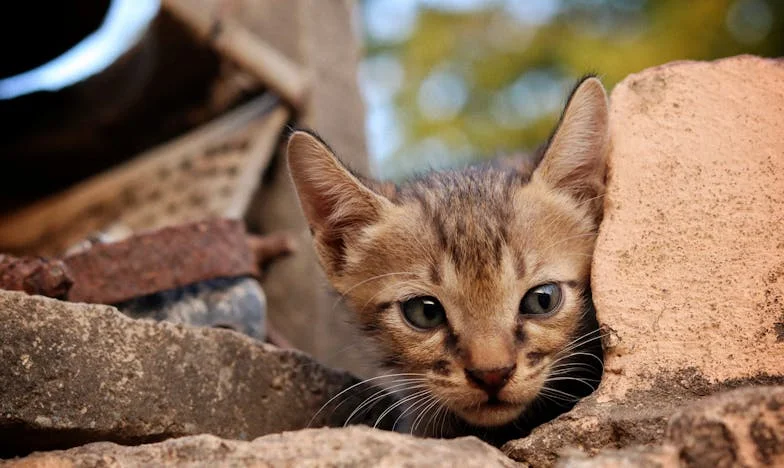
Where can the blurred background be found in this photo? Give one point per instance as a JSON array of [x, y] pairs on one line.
[[450, 81]]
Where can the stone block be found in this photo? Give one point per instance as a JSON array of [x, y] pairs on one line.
[[77, 373]]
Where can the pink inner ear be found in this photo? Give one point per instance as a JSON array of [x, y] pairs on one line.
[[336, 204]]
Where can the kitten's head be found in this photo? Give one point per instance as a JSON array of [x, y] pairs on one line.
[[475, 279]]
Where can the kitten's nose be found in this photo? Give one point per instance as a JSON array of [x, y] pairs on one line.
[[490, 380]]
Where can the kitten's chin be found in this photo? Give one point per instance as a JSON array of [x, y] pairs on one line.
[[491, 414]]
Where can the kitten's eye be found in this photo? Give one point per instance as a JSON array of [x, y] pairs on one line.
[[541, 300], [423, 312]]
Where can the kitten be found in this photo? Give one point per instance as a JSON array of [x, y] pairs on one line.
[[473, 283]]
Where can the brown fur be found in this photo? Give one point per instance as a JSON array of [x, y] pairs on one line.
[[477, 239]]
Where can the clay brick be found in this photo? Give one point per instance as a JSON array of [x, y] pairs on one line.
[[160, 260]]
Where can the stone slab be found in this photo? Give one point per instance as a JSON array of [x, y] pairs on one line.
[[351, 447], [77, 373]]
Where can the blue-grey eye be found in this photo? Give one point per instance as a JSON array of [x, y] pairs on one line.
[[541, 300], [423, 312]]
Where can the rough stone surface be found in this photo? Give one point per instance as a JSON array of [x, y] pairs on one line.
[[739, 428], [77, 373], [688, 276], [234, 303], [689, 264], [635, 457], [352, 447], [742, 427]]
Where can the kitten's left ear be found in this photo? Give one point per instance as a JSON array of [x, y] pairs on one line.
[[575, 159], [336, 203]]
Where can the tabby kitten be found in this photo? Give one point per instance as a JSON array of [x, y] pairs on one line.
[[473, 283]]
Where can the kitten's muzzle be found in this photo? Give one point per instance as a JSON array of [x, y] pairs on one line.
[[490, 380]]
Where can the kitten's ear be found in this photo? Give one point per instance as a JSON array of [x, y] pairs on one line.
[[335, 202], [575, 158]]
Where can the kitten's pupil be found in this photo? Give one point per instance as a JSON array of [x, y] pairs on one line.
[[544, 300], [430, 310]]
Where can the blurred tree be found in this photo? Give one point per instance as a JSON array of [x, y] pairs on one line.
[[448, 81]]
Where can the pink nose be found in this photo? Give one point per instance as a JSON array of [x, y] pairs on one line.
[[490, 380]]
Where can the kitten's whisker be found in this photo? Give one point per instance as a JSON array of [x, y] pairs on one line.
[[580, 353], [406, 384], [584, 335], [433, 419], [574, 365], [558, 394], [582, 340], [408, 374], [556, 391], [582, 381], [401, 402], [571, 370], [433, 414], [443, 418], [420, 400], [426, 404], [580, 344], [568, 364], [403, 414], [555, 400], [422, 414]]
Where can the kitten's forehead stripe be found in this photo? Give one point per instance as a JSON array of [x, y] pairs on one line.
[[470, 213], [435, 274]]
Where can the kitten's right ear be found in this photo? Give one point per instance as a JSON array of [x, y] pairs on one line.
[[575, 158], [336, 203]]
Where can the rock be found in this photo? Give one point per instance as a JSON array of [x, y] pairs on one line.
[[689, 264], [688, 274], [77, 373], [742, 427], [739, 428], [234, 303], [635, 457], [351, 447]]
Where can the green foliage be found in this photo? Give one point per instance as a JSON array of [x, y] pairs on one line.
[[502, 66]]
